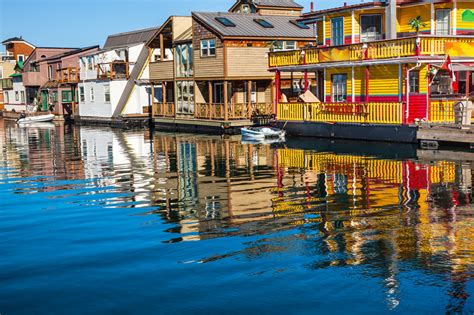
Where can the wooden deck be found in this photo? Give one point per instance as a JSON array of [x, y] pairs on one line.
[[201, 125], [436, 134]]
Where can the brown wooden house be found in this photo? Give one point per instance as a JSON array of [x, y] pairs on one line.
[[213, 69]]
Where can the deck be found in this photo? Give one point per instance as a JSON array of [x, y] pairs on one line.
[[201, 125], [432, 135]]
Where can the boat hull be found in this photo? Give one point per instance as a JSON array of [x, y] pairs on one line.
[[36, 119]]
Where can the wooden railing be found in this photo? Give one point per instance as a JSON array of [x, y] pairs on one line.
[[373, 113], [163, 109], [117, 70], [68, 75], [442, 111], [237, 111], [383, 49]]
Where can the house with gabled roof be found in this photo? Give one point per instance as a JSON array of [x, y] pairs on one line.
[[213, 72], [114, 80], [267, 7]]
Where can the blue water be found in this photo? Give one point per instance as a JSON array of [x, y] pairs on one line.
[[96, 220]]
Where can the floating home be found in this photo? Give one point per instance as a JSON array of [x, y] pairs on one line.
[[12, 96], [377, 77], [114, 83], [213, 72]]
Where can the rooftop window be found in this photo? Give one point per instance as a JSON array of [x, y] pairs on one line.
[[300, 24], [263, 23], [225, 21]]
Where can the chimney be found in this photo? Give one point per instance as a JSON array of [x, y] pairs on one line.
[[312, 6]]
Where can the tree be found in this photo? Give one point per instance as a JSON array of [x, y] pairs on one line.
[[416, 24]]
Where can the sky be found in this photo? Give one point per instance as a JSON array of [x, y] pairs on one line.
[[82, 23]]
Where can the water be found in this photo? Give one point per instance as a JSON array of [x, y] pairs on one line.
[[96, 220]]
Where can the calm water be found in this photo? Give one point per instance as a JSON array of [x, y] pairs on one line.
[[95, 220]]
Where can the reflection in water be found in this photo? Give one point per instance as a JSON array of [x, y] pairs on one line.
[[403, 227]]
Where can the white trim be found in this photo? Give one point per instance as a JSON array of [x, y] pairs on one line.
[[400, 83], [1, 72], [18, 58], [455, 17], [353, 84], [353, 26], [324, 30], [432, 19], [343, 33], [324, 89]]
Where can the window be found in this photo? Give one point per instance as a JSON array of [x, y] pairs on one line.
[[21, 58], [443, 22], [263, 23], [50, 72], [208, 47], [22, 94], [245, 8], [1, 72], [66, 96], [7, 97], [55, 97], [300, 24], [92, 94], [17, 96], [225, 21], [90, 63], [82, 94], [184, 60], [337, 31], [414, 81], [339, 88], [107, 93], [284, 45], [185, 97], [370, 27]]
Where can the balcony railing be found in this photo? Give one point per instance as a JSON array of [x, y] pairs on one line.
[[117, 70], [366, 113], [384, 49], [68, 75], [164, 110], [238, 111], [442, 111], [31, 78]]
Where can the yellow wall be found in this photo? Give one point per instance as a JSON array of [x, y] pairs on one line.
[[347, 24], [405, 14]]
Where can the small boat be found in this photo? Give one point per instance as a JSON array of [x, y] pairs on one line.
[[263, 133], [35, 119]]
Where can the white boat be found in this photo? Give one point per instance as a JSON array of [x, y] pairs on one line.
[[35, 119], [262, 133]]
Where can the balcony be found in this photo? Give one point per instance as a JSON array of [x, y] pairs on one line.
[[117, 70], [6, 84], [385, 49], [31, 78], [235, 111], [68, 75], [162, 70]]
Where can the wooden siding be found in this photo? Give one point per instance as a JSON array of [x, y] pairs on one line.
[[464, 27], [282, 12], [347, 27], [405, 14], [247, 62], [161, 71], [207, 67]]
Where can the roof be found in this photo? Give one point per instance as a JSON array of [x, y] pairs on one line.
[[16, 39], [187, 35], [129, 38], [278, 3], [345, 8], [15, 75], [71, 52], [245, 26]]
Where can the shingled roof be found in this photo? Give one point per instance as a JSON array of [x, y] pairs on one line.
[[245, 25], [278, 3], [129, 38]]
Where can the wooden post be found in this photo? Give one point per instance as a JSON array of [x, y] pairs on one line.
[[367, 78], [306, 81], [163, 96], [162, 52], [210, 98], [468, 83], [226, 101], [249, 99], [277, 92], [153, 105]]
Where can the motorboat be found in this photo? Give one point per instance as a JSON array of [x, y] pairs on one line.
[[35, 119], [263, 133]]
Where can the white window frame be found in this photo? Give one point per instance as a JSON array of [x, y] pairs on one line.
[[91, 94], [1, 72], [371, 37], [206, 47], [82, 94], [7, 97], [50, 72], [339, 89], [332, 31], [285, 45], [107, 92], [449, 31], [17, 96], [22, 57], [22, 97]]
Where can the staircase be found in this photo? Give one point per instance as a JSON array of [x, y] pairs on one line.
[[136, 72]]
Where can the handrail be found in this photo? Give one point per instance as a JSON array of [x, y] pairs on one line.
[[429, 45]]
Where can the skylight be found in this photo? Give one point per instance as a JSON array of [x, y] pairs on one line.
[[225, 21], [263, 23], [300, 24]]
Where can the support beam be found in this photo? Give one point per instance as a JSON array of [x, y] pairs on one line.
[[211, 96], [162, 47], [468, 83], [153, 105], [432, 24], [306, 81], [391, 19], [226, 101], [367, 78], [455, 17], [353, 26], [249, 99], [353, 84]]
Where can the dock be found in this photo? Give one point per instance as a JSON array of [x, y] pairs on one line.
[[431, 136]]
